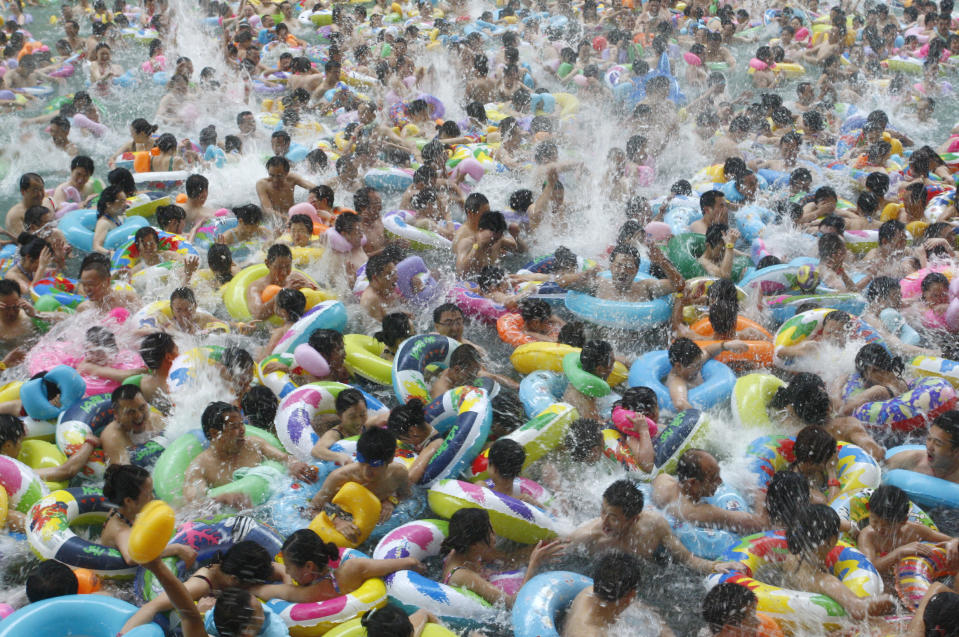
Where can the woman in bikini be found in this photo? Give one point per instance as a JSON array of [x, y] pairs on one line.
[[473, 559], [130, 488], [110, 215], [880, 374], [167, 160]]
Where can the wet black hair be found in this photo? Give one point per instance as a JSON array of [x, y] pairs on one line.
[[508, 457], [625, 495], [875, 355], [304, 545], [259, 406], [376, 444], [727, 604], [640, 399], [684, 352], [889, 503], [11, 429], [154, 347], [467, 527], [122, 481], [786, 494], [396, 328], [583, 437], [325, 341], [812, 526], [814, 445], [616, 575], [292, 301], [595, 353], [214, 417], [387, 621], [573, 334], [51, 579]]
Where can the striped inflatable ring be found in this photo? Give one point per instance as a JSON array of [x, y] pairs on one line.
[[128, 255], [51, 537], [914, 575], [318, 618], [856, 469], [295, 415], [810, 610], [422, 539], [511, 518]]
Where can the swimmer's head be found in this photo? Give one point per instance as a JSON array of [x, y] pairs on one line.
[[935, 289], [374, 452], [536, 315], [158, 349], [814, 447], [730, 605], [249, 214], [122, 179], [130, 408], [622, 503], [146, 240], [348, 225], [814, 532], [641, 400], [448, 320], [306, 557], [238, 612], [465, 364], [95, 276], [127, 486], [51, 579], [685, 356], [596, 358], [468, 528], [698, 474], [222, 425], [259, 406], [584, 441], [786, 494], [408, 423], [396, 327], [506, 459]]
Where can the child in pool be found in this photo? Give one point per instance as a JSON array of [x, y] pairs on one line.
[[598, 608], [352, 419], [147, 243], [816, 460], [729, 610], [687, 360], [12, 434], [314, 572], [472, 558], [881, 376], [95, 283], [891, 537], [396, 328], [408, 423], [130, 488], [100, 353], [810, 539], [246, 565], [635, 416], [290, 307], [329, 345], [464, 367], [506, 460], [248, 227], [374, 469]]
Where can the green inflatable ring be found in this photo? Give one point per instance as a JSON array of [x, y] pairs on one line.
[[170, 470], [584, 382], [684, 249]]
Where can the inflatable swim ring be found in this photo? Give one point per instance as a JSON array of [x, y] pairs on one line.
[[651, 369]]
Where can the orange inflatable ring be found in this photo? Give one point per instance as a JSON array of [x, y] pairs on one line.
[[510, 328], [758, 352]]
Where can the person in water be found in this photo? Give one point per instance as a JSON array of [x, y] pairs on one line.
[[230, 450], [625, 525], [940, 458]]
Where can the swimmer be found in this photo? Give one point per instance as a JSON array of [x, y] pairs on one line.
[[229, 451], [374, 469], [684, 496], [248, 228], [616, 582], [32, 193], [279, 261], [132, 425], [81, 170], [626, 526], [130, 489], [687, 360], [352, 419], [381, 296], [890, 536], [940, 458], [623, 286], [158, 351], [95, 282]]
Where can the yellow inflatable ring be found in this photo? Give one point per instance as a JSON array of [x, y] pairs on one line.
[[363, 359], [234, 292], [549, 356], [151, 531], [359, 502]]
